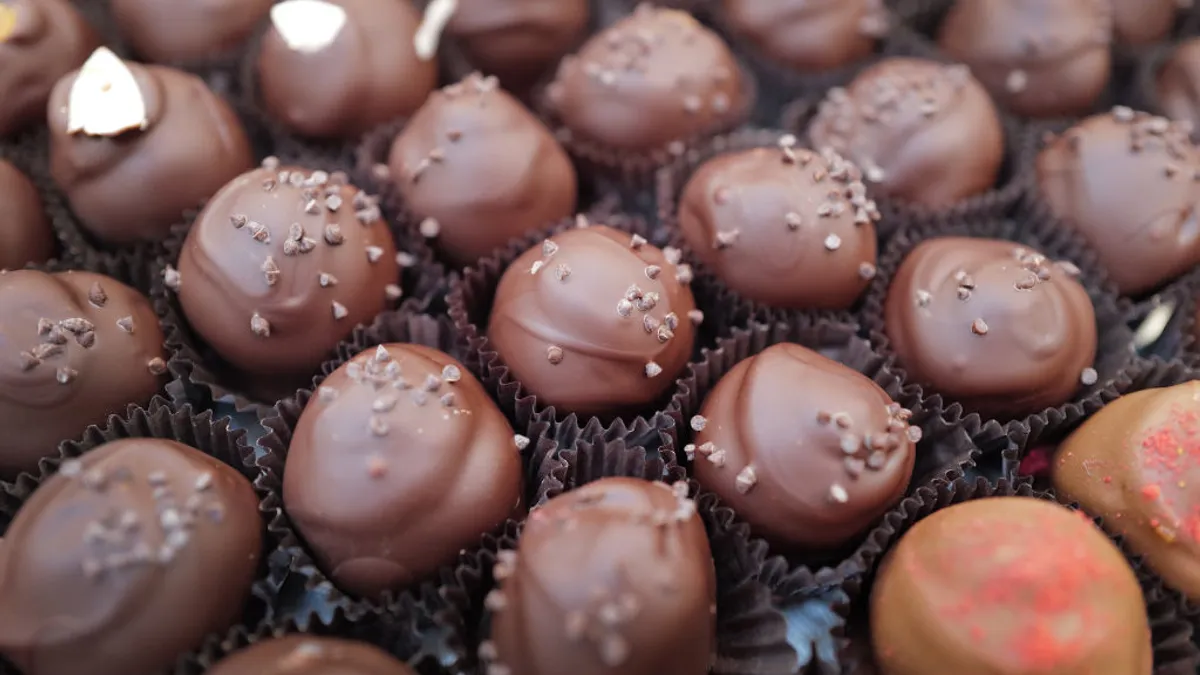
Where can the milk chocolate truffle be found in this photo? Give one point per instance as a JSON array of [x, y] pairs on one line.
[[655, 77], [1127, 182], [310, 655], [1178, 84], [75, 347], [1044, 591], [281, 265], [25, 234], [40, 41], [478, 170], [808, 36], [431, 461], [187, 31], [1140, 22], [1037, 58], [336, 68], [134, 146], [783, 226], [808, 451], [922, 131], [1136, 465], [595, 321], [614, 577], [126, 558], [992, 325], [517, 40]]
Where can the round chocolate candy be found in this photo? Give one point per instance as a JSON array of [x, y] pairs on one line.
[[336, 68], [431, 461], [992, 325], [477, 169], [281, 265], [517, 40], [190, 30], [1127, 182], [783, 226], [126, 558], [654, 77], [1141, 22], [922, 131], [1178, 84], [25, 234], [1037, 58], [595, 321], [40, 41], [75, 347], [1044, 592], [310, 655], [614, 577], [808, 36], [135, 146]]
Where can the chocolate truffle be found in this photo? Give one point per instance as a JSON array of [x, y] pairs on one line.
[[281, 265], [517, 40], [614, 577], [336, 68], [808, 36], [1136, 465], [1044, 592], [190, 30], [992, 325], [654, 77], [1140, 22], [478, 170], [126, 558], [1178, 84], [595, 321], [783, 226], [40, 41], [1037, 58], [922, 131], [431, 461], [25, 234], [310, 655], [1127, 182], [805, 449], [75, 347], [135, 146]]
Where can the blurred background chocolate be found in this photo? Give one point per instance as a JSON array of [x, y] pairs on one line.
[[133, 146], [783, 226], [808, 36], [99, 564], [310, 655], [614, 577], [1037, 58], [25, 234], [922, 132], [189, 30], [75, 347], [40, 42], [1127, 182], [991, 324], [334, 69], [476, 169], [1178, 83], [1141, 22]]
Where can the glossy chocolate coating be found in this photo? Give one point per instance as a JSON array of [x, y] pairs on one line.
[[1044, 591], [782, 226], [75, 347], [517, 40], [40, 41], [281, 265], [1141, 22], [310, 655], [1135, 464], [1127, 182], [808, 35], [187, 30], [613, 577], [1178, 84], [369, 74], [133, 186], [992, 325], [805, 449], [483, 168], [654, 77], [25, 234], [923, 132], [1037, 58], [594, 321], [125, 559], [430, 459]]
